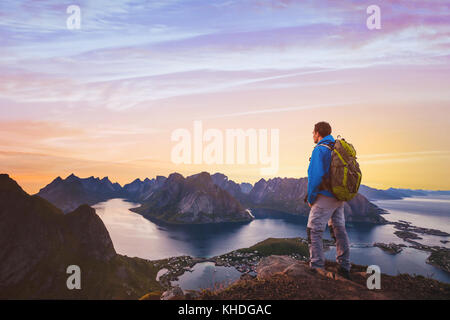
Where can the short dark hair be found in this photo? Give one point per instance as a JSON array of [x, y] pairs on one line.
[[323, 128]]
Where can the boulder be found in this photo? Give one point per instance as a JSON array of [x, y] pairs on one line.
[[292, 268], [172, 293], [273, 264]]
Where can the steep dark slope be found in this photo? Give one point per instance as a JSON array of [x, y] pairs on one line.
[[195, 199], [231, 187], [38, 242]]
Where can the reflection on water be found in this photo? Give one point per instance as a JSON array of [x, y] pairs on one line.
[[133, 235], [206, 275]]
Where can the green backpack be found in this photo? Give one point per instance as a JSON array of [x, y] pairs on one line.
[[345, 175]]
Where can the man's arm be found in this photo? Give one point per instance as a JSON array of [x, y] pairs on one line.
[[315, 174]]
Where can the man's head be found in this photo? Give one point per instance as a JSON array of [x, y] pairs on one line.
[[321, 130]]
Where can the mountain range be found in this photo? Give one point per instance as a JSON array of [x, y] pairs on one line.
[[39, 242], [397, 193], [205, 198], [68, 194]]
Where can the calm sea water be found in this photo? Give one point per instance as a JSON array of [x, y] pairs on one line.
[[133, 235], [428, 212]]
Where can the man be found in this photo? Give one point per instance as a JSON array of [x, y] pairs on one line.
[[324, 206]]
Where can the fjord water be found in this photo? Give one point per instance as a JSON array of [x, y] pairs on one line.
[[134, 235]]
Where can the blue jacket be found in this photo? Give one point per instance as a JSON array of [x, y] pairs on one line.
[[319, 167]]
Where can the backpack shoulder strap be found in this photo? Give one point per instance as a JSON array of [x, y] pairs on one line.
[[326, 145]]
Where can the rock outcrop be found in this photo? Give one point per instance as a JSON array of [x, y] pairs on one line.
[[193, 200], [285, 278], [440, 258], [391, 248], [267, 267], [172, 293]]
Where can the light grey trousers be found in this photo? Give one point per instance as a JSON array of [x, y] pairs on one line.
[[327, 210]]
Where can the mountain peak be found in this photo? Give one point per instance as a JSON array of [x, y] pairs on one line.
[[220, 175], [262, 180], [175, 176], [9, 185], [202, 180], [96, 241], [193, 200], [72, 177], [204, 176]]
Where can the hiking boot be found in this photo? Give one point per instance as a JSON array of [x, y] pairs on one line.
[[344, 273]]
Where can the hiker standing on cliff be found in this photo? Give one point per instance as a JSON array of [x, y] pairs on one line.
[[325, 207]]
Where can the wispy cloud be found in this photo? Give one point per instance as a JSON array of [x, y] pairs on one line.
[[159, 38], [278, 110]]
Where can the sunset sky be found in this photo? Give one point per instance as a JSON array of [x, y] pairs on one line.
[[104, 100]]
